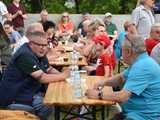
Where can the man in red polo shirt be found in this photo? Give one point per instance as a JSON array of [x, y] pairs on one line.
[[18, 15], [154, 38]]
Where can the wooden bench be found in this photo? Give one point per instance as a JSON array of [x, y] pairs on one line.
[[16, 115]]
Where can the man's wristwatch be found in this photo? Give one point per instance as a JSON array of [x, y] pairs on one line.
[[100, 94]]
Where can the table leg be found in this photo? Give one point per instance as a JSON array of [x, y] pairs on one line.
[[94, 112], [57, 113], [103, 113]]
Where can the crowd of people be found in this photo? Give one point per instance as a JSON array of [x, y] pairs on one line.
[[27, 70]]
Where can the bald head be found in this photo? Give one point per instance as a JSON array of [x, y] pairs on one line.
[[34, 27]]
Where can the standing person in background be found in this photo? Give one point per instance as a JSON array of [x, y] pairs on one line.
[[4, 12], [110, 26], [85, 17], [18, 15], [143, 18]]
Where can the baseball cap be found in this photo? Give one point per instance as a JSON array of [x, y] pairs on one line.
[[108, 14], [104, 39]]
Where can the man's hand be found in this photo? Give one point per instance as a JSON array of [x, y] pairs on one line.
[[98, 84], [20, 12], [66, 73], [92, 93]]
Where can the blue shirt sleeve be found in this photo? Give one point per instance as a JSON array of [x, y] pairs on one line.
[[136, 79], [14, 36]]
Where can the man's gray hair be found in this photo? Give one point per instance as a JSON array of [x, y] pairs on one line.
[[141, 2], [34, 27], [135, 42], [155, 27], [32, 35]]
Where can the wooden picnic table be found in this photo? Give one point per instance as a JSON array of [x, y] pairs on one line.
[[61, 94], [60, 61]]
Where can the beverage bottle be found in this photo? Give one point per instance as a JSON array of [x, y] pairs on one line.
[[77, 84]]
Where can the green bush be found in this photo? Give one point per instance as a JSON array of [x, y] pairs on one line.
[[92, 6]]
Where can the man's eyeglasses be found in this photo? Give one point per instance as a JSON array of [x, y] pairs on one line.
[[38, 44]]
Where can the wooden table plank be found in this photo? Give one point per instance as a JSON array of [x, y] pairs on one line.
[[60, 61], [61, 93]]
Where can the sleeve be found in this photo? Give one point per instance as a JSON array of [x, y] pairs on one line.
[[27, 64], [3, 9], [23, 9], [106, 60], [135, 16], [137, 79]]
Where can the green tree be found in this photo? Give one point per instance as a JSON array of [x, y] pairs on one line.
[[92, 6]]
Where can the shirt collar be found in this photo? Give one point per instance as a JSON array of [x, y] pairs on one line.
[[141, 56]]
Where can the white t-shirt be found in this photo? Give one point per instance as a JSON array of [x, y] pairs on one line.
[[3, 11], [22, 41]]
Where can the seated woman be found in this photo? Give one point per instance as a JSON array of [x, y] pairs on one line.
[[49, 28], [65, 26], [5, 49], [13, 35], [104, 64], [54, 49]]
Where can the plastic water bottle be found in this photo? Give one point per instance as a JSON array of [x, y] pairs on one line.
[[77, 85], [74, 57]]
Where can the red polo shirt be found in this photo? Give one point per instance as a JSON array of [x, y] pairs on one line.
[[150, 43], [102, 61]]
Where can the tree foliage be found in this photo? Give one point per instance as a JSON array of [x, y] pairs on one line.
[[92, 6]]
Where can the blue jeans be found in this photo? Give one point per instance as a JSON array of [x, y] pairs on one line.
[[40, 109]]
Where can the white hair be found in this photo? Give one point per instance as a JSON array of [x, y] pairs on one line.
[[135, 42], [34, 27]]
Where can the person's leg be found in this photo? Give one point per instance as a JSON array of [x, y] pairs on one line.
[[41, 110], [113, 110]]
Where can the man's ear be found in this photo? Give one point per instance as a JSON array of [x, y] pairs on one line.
[[129, 52]]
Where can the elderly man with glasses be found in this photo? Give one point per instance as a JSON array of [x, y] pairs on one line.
[[24, 76], [140, 96]]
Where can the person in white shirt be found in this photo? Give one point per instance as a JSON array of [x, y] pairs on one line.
[[4, 12], [143, 18]]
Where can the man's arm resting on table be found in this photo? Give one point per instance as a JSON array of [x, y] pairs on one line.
[[120, 96], [114, 81], [52, 70], [48, 78]]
